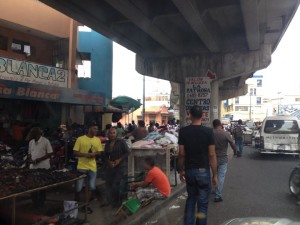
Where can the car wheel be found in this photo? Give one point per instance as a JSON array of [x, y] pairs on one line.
[[294, 182]]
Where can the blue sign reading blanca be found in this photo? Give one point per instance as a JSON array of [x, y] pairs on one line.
[[27, 69]]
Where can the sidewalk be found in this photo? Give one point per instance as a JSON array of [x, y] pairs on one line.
[[107, 216], [100, 216]]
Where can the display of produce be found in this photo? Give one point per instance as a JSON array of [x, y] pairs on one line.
[[20, 180]]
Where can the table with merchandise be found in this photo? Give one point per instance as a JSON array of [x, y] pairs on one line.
[[17, 182]]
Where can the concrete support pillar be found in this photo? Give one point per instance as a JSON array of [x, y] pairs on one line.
[[72, 82], [182, 105], [65, 114], [214, 101]]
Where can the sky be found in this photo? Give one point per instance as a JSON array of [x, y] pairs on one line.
[[283, 73], [126, 81]]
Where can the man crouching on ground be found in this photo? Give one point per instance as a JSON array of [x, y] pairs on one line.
[[160, 187]]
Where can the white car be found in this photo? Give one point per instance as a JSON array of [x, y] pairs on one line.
[[280, 135]]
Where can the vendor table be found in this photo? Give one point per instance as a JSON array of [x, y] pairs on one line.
[[145, 152], [14, 196]]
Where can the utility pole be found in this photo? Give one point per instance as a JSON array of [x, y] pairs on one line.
[[250, 108], [144, 87]]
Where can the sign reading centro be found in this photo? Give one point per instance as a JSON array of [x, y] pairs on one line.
[[22, 71], [197, 92]]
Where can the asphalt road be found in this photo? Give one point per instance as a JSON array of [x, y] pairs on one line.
[[255, 186]]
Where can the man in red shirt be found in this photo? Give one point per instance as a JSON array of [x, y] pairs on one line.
[[160, 186]]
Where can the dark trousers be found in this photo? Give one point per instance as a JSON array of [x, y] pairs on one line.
[[115, 184], [38, 198]]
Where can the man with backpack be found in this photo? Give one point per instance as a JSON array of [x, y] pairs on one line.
[[239, 137]]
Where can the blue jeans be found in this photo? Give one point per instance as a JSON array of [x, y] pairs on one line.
[[91, 176], [198, 186], [239, 142], [222, 169]]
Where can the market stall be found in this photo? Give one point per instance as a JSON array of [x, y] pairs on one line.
[[17, 182], [160, 146]]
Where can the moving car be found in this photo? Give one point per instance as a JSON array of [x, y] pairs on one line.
[[279, 135]]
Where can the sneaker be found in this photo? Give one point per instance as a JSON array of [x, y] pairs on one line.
[[218, 199]]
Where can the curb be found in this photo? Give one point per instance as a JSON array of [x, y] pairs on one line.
[[140, 217]]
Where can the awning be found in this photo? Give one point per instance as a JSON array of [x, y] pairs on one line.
[[35, 92], [125, 103], [112, 109]]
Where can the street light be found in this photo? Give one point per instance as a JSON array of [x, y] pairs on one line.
[[250, 95], [278, 102]]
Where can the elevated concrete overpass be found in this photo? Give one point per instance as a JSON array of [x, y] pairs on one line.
[[175, 39]]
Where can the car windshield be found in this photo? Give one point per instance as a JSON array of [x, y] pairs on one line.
[[281, 127]]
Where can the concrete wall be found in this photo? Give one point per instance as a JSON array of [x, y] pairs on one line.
[[101, 62], [43, 49], [36, 15]]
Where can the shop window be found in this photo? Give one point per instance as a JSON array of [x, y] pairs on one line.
[[3, 43], [297, 99], [258, 100], [252, 91], [152, 117], [61, 53], [84, 65], [259, 83], [20, 46]]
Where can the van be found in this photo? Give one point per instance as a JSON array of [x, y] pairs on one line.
[[279, 135]]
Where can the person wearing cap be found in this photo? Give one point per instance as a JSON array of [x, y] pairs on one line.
[[86, 148], [40, 151]]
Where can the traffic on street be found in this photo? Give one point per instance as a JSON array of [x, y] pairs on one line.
[[256, 185]]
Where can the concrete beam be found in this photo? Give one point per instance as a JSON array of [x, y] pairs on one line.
[[225, 93], [226, 66], [251, 22], [190, 12], [73, 11], [139, 19]]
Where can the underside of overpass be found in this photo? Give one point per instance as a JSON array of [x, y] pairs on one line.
[[175, 39]]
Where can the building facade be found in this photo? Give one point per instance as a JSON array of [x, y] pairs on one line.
[[252, 106], [40, 52]]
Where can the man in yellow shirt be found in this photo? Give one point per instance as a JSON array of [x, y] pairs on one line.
[[86, 148]]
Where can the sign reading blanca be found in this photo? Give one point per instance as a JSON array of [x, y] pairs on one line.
[[22, 71], [197, 92]]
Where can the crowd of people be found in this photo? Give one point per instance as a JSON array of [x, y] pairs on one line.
[[202, 163], [87, 149]]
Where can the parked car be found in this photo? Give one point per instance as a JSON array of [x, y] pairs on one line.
[[279, 135], [258, 220]]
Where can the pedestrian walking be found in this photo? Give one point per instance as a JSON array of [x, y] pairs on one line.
[[222, 139], [196, 155], [238, 133], [87, 148]]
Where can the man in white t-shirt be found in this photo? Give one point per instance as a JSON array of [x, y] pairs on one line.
[[40, 151]]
